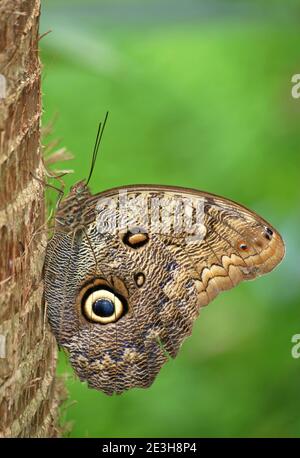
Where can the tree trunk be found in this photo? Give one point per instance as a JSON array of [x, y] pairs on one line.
[[28, 389]]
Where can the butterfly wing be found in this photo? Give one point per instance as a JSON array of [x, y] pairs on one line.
[[163, 252]]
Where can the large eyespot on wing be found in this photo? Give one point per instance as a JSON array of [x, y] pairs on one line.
[[162, 306], [102, 306]]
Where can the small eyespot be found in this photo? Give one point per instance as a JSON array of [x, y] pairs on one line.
[[139, 279], [103, 306], [135, 238], [268, 233]]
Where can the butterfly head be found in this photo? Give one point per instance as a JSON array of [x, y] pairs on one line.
[[71, 208], [80, 189]]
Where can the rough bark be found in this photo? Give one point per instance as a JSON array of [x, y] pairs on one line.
[[28, 389]]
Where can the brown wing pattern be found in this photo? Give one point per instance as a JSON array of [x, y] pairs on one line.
[[238, 246], [171, 252]]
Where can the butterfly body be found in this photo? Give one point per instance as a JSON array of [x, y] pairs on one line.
[[128, 270]]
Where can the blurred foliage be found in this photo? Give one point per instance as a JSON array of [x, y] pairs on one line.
[[200, 100]]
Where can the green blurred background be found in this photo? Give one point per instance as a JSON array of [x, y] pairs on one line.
[[199, 94]]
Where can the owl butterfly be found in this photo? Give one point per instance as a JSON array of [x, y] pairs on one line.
[[128, 270]]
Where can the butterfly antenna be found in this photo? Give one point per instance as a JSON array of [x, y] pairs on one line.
[[97, 146]]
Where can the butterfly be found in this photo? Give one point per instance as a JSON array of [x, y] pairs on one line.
[[128, 270]]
